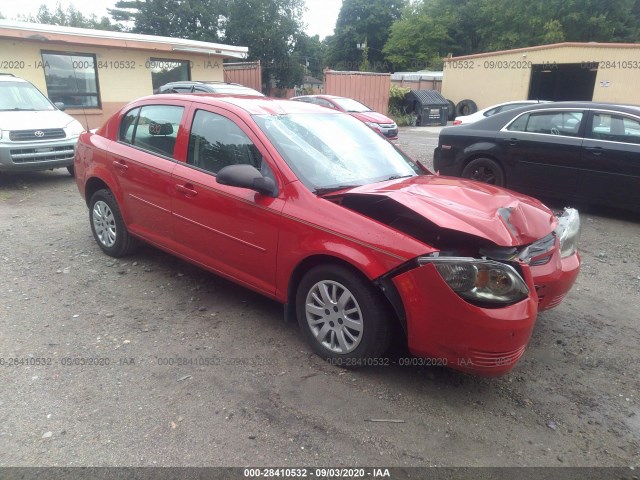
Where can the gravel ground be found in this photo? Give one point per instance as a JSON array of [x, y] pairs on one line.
[[263, 398]]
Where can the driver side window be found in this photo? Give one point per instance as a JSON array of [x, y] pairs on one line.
[[215, 142]]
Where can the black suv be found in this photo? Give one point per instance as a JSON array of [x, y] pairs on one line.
[[194, 86]]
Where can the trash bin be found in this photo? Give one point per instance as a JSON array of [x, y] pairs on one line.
[[429, 107]]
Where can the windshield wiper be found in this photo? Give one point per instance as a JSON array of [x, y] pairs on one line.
[[325, 190], [396, 177]]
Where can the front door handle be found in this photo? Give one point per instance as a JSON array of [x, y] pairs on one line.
[[512, 141], [186, 190], [595, 150], [120, 166]]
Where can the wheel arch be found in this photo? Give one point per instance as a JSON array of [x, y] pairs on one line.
[[92, 186], [312, 261]]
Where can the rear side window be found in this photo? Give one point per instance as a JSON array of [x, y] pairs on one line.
[[615, 128], [565, 123], [153, 128], [216, 142]]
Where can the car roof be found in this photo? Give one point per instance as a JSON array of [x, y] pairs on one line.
[[9, 77], [498, 120], [254, 105], [202, 82]]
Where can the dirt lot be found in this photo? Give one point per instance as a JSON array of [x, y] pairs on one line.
[[573, 400]]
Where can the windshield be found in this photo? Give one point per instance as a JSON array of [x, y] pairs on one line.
[[22, 96], [334, 151], [349, 105]]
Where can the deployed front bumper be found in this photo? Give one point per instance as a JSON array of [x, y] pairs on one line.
[[444, 327]]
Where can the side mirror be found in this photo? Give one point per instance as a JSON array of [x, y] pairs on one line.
[[247, 176], [59, 106]]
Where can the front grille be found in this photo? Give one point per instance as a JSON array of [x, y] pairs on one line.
[[388, 125], [30, 135], [495, 359], [45, 154]]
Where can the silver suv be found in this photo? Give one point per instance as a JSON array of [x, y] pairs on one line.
[[34, 133]]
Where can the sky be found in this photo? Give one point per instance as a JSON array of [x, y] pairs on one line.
[[320, 17]]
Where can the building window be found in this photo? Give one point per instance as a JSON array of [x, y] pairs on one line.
[[72, 78], [165, 70]]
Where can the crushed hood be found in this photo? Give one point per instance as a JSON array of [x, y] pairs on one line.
[[501, 216]]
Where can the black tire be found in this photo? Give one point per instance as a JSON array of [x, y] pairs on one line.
[[484, 170], [342, 344], [451, 110], [466, 107], [71, 170], [107, 225]]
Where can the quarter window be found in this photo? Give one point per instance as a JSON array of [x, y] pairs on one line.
[[153, 128], [565, 123], [216, 142], [72, 78], [615, 128]]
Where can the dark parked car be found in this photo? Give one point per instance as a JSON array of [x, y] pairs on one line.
[[585, 152], [194, 86], [311, 208]]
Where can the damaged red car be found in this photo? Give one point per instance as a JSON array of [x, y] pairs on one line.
[[312, 208]]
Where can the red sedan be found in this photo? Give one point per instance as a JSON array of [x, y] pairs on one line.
[[379, 122], [311, 208]]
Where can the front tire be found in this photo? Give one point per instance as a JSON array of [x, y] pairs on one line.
[[71, 170], [107, 225], [342, 316], [484, 170]]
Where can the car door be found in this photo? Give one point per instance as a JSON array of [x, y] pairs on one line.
[[611, 159], [543, 150], [143, 160], [231, 230]]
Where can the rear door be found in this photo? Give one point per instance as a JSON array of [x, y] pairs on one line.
[[231, 230], [143, 160], [611, 159], [544, 150]]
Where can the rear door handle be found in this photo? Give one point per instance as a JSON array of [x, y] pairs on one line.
[[186, 190], [595, 150], [120, 166]]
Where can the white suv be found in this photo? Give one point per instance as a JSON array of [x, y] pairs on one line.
[[34, 133]]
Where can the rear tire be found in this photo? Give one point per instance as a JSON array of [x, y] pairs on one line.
[[107, 225], [342, 316], [484, 170]]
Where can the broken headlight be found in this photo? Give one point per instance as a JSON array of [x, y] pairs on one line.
[[480, 281], [568, 231]]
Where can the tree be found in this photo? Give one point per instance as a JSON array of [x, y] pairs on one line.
[[310, 52], [270, 28], [362, 22], [193, 19], [431, 29], [71, 17]]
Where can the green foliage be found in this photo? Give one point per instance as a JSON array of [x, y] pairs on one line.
[[270, 28], [362, 22], [396, 108], [71, 17], [429, 30], [310, 52]]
